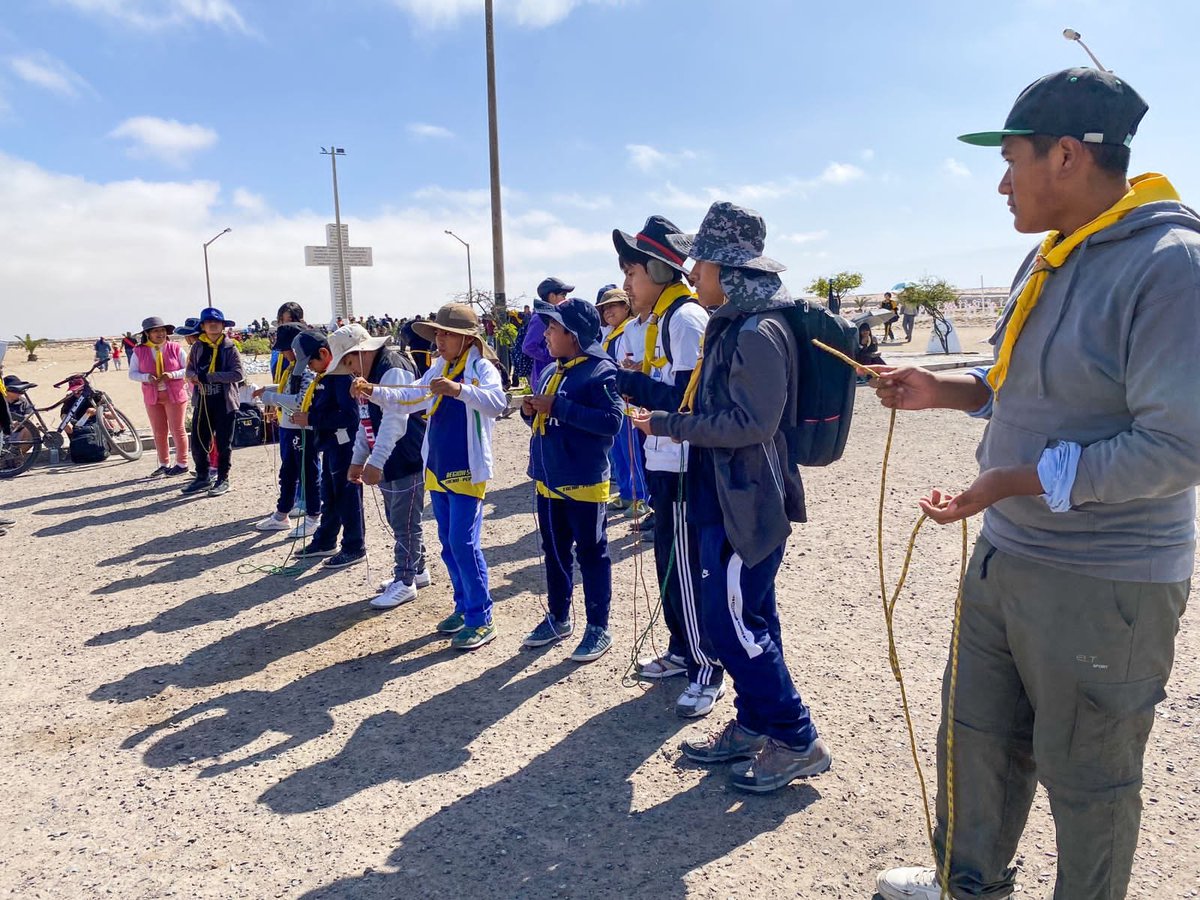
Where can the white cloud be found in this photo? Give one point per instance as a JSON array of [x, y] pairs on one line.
[[805, 237], [43, 70], [527, 13], [646, 158], [840, 173], [579, 201], [425, 130], [154, 14], [249, 202], [955, 168], [167, 140]]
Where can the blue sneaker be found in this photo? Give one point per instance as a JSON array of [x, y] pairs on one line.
[[548, 631], [595, 644]]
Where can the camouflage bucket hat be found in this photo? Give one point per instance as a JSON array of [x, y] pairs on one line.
[[730, 236], [753, 290]]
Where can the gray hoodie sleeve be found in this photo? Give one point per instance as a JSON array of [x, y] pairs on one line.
[[758, 377], [1157, 456]]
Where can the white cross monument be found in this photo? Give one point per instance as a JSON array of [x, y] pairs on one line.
[[328, 256]]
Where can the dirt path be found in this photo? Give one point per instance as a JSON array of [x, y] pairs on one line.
[[172, 727]]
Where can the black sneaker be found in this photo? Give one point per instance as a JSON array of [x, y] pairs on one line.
[[160, 471], [221, 487], [346, 558], [313, 550], [175, 470], [195, 486]]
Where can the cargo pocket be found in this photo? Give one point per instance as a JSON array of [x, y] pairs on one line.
[[1112, 723]]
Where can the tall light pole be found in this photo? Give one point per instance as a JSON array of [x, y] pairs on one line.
[[333, 153], [470, 286], [207, 282], [499, 298], [1072, 35]]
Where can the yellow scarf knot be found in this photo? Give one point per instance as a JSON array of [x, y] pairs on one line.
[[560, 372]]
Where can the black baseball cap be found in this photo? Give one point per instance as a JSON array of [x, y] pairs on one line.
[[1093, 106], [285, 334], [553, 285]]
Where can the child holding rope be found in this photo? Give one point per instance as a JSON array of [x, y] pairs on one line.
[[297, 450], [214, 367], [463, 396], [626, 454], [327, 406], [574, 416], [742, 495]]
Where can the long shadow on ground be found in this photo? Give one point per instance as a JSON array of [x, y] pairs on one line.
[[237, 655], [301, 710], [51, 496], [214, 607], [430, 738], [564, 825]]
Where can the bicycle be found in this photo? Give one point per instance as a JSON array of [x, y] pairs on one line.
[[20, 449]]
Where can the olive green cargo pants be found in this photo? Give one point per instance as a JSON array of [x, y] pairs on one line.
[[1058, 676]]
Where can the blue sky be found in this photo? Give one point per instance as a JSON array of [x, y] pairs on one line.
[[133, 130]]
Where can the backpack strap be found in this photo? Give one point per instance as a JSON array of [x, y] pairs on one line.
[[664, 326]]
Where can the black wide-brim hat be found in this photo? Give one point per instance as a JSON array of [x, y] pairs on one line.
[[285, 334], [653, 241]]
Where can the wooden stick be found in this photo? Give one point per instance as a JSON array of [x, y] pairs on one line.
[[854, 364]]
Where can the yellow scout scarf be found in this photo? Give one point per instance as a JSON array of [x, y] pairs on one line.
[[689, 393], [560, 372], [455, 371], [205, 339], [616, 332], [672, 293], [158, 359], [307, 399], [1055, 249], [282, 375]]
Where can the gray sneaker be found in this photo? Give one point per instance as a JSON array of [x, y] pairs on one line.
[[732, 742], [698, 699], [777, 765], [549, 631], [596, 642]]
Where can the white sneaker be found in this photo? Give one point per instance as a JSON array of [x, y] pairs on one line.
[[422, 579], [273, 522], [296, 513], [911, 883], [305, 527], [699, 699], [397, 592]]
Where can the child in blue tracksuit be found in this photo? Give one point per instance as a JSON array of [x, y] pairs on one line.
[[463, 395], [742, 495], [574, 416], [328, 407]]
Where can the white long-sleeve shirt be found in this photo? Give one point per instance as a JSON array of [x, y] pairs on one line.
[[392, 425], [136, 373]]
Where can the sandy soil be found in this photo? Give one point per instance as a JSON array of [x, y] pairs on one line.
[[174, 725]]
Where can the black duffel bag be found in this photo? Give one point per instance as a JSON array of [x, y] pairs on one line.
[[88, 444]]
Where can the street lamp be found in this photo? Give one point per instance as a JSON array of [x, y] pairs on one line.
[[207, 283], [470, 286], [333, 153], [1072, 35]]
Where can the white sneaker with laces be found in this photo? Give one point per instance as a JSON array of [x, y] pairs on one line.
[[699, 699], [422, 579], [397, 592], [909, 883], [305, 527], [273, 522]]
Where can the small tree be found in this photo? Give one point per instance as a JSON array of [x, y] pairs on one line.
[[933, 295], [255, 346], [31, 344], [842, 284]]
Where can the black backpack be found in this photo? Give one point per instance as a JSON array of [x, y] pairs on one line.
[[248, 427], [88, 444], [820, 404]]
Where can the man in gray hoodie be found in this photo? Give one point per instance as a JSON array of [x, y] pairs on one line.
[[1088, 469], [742, 495]]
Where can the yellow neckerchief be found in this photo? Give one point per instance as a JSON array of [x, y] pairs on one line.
[[453, 372], [307, 399], [617, 331], [560, 372], [281, 378], [689, 393], [670, 294], [205, 339], [158, 358], [1055, 249]]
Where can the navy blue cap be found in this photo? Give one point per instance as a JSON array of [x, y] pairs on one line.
[[212, 314], [604, 290], [553, 285], [578, 317], [306, 345]]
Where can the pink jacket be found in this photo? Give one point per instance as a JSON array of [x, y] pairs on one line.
[[174, 364]]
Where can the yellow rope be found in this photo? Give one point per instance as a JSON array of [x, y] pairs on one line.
[[889, 607]]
